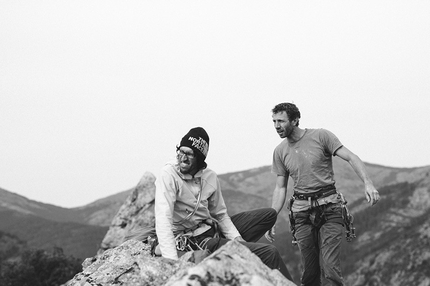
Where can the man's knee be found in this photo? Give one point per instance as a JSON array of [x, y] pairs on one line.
[[267, 250], [273, 250], [270, 214]]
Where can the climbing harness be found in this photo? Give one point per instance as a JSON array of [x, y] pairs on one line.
[[316, 214]]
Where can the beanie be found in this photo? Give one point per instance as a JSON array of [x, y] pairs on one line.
[[196, 139]]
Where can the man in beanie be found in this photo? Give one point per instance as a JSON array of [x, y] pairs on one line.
[[190, 212]]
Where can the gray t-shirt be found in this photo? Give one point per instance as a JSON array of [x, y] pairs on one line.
[[308, 161]]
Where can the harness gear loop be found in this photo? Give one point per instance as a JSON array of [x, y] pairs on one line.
[[187, 240]]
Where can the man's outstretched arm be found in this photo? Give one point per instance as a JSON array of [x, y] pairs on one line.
[[372, 195]]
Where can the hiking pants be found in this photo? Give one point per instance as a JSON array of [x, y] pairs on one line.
[[319, 235], [252, 225]]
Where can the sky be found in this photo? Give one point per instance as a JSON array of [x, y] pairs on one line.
[[93, 94]]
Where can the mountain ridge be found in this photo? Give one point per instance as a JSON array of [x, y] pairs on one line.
[[257, 181], [122, 195]]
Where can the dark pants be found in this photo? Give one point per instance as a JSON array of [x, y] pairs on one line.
[[252, 225], [319, 235]]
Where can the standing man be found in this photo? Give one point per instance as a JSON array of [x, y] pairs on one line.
[[190, 212], [316, 205]]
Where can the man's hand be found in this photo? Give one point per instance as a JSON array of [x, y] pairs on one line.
[[372, 195], [270, 234]]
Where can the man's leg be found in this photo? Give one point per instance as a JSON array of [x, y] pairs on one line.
[[307, 239], [252, 225], [331, 234]]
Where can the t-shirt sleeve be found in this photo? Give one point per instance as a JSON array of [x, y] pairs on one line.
[[278, 166], [331, 142]]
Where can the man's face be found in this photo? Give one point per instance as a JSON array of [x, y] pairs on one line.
[[284, 127], [186, 159]]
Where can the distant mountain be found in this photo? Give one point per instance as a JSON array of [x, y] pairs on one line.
[[20, 204], [98, 213], [101, 211], [258, 182], [43, 226]]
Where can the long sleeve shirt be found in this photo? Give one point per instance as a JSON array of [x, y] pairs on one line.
[[176, 196]]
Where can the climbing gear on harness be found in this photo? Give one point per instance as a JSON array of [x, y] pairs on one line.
[[153, 242], [189, 239], [183, 242], [348, 221], [292, 222], [315, 212]]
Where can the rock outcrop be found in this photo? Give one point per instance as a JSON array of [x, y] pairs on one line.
[[131, 264], [136, 212]]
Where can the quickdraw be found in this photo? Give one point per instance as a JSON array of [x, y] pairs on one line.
[[292, 223], [182, 243], [348, 220], [185, 242]]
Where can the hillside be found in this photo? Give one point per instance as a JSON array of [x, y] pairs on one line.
[[78, 240], [101, 211], [393, 242]]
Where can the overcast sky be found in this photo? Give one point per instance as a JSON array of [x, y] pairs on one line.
[[95, 93]]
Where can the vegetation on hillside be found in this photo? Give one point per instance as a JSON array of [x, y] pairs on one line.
[[10, 246], [75, 239], [39, 268]]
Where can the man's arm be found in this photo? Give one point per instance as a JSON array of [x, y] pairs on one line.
[[218, 210], [278, 200], [370, 191], [280, 193], [165, 198]]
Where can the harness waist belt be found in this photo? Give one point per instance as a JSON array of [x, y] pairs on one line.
[[200, 228], [314, 196]]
